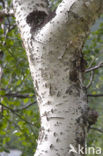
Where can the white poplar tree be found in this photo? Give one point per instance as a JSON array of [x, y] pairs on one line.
[[54, 43]]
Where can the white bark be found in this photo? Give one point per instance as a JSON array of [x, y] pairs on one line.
[[56, 64]]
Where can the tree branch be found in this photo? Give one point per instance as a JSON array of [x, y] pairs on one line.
[[12, 121], [91, 79], [14, 112], [97, 129], [26, 106], [96, 95], [16, 125], [22, 96], [95, 67]]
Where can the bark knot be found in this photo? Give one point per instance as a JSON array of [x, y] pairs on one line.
[[37, 19], [89, 117]]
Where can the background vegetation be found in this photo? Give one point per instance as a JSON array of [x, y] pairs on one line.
[[19, 117]]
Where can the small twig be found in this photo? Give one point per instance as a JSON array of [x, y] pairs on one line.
[[13, 111], [94, 68], [90, 65], [12, 27], [26, 106], [10, 121], [22, 96], [16, 125], [94, 95], [97, 129], [91, 79]]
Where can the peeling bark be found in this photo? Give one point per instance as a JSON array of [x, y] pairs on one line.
[[57, 66]]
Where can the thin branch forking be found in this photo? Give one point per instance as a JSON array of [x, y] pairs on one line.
[[26, 106], [16, 95], [95, 95], [97, 129], [91, 79], [14, 112], [94, 68]]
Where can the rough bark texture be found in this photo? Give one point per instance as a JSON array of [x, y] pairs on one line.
[[54, 51]]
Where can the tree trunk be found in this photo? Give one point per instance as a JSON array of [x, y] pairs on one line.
[[54, 48]]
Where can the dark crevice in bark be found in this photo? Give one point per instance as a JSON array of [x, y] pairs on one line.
[[78, 64], [37, 19], [88, 118]]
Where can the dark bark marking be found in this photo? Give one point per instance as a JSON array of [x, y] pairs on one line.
[[51, 146], [55, 134], [90, 117], [37, 19], [87, 119], [73, 90], [73, 75]]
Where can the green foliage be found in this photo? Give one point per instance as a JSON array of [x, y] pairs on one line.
[[18, 126], [54, 3], [93, 52]]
